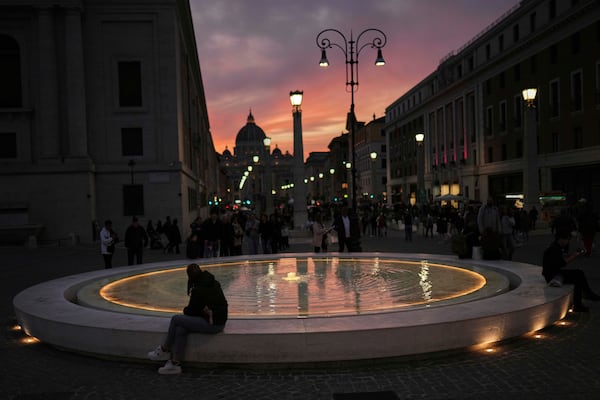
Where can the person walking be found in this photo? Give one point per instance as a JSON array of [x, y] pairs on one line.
[[212, 230], [319, 232], [174, 236], [252, 231], [507, 224], [108, 239], [135, 241]]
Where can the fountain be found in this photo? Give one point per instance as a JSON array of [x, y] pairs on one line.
[[299, 307]]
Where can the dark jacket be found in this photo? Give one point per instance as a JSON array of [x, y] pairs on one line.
[[135, 237], [206, 292], [553, 261]]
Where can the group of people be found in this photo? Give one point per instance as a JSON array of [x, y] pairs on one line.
[[225, 235], [137, 238]]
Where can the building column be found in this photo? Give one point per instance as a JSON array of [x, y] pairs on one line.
[[48, 85], [75, 85]]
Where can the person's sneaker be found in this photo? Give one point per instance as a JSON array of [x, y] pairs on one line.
[[556, 282], [159, 354], [170, 369], [581, 308]]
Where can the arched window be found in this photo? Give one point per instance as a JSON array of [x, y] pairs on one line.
[[10, 72]]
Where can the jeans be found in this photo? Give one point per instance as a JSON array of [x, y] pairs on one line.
[[180, 326], [134, 252]]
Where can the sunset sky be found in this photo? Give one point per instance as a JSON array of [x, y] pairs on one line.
[[254, 52]]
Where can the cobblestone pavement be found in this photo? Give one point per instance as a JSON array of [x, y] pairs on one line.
[[563, 364]]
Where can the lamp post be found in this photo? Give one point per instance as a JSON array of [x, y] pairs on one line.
[[373, 157], [530, 177], [268, 172], [419, 138], [351, 49], [300, 214]]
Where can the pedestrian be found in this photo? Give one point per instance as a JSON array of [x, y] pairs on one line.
[[488, 218], [507, 226], [193, 248], [429, 225], [556, 257], [347, 229], [135, 241], [238, 236], [212, 230], [265, 228], [533, 216], [108, 239], [173, 235], [227, 237], [319, 232], [206, 312], [253, 234]]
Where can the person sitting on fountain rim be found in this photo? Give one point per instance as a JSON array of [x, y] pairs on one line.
[[556, 257], [205, 313]]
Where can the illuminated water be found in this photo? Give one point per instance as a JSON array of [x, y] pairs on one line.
[[303, 287]]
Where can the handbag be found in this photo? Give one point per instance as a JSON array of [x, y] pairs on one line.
[[332, 237]]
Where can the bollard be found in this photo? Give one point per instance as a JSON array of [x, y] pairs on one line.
[[73, 239]]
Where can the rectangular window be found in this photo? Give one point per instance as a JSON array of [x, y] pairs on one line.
[[8, 145], [501, 42], [470, 63], [517, 72], [130, 83], [518, 110], [554, 98], [555, 142], [501, 80], [577, 137], [516, 33], [575, 43], [132, 143], [553, 54], [488, 51], [552, 9], [576, 91], [519, 149], [489, 118], [490, 154], [532, 18], [488, 86], [533, 64], [502, 119], [504, 152], [133, 200]]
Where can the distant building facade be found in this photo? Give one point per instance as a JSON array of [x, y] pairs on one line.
[[471, 109], [102, 115], [256, 177]]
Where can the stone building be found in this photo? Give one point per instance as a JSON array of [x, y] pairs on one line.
[[472, 113], [102, 115], [256, 177]]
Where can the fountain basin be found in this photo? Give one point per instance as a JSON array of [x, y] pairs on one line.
[[48, 311]]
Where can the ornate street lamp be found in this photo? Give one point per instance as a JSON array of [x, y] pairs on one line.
[[351, 49], [419, 138], [300, 214], [531, 182]]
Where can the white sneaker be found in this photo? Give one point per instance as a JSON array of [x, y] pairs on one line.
[[556, 282], [169, 369], [159, 354]]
